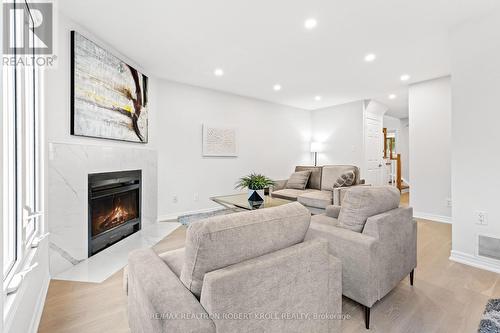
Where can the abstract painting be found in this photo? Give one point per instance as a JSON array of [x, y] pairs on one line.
[[109, 98], [219, 141]]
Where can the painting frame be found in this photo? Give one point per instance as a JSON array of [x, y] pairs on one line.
[[225, 143], [144, 98]]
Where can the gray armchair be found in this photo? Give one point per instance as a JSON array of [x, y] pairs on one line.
[[374, 238], [243, 272]]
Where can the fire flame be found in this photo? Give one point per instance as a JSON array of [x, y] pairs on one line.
[[116, 216]]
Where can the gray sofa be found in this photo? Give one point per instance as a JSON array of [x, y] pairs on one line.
[[243, 272], [374, 238], [319, 192]]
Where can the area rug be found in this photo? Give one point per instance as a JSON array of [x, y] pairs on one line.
[[188, 218], [490, 323]]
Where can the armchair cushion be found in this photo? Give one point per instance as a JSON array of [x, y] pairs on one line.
[[225, 240], [364, 201], [174, 260], [303, 278], [298, 180], [323, 219], [333, 211], [317, 199], [339, 192]]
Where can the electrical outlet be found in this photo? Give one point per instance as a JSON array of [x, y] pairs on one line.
[[481, 218], [448, 202], [196, 197], [175, 199]]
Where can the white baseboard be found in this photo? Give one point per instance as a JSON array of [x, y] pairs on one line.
[[475, 261], [175, 216], [432, 217]]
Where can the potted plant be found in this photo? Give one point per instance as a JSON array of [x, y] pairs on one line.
[[255, 183]]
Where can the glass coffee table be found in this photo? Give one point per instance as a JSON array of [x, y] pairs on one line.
[[241, 201]]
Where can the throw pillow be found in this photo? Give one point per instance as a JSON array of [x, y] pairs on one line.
[[298, 180], [362, 202], [346, 179]]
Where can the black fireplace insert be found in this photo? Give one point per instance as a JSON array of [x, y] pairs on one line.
[[114, 208]]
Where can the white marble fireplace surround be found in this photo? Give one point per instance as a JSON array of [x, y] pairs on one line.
[[69, 166]]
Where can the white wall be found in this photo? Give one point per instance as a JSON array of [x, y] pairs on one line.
[[59, 86], [430, 148], [392, 123], [475, 50], [400, 126], [340, 130], [404, 148], [272, 139]]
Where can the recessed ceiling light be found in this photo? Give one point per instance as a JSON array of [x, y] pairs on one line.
[[218, 72], [405, 77], [277, 87], [310, 23], [317, 98], [370, 57], [392, 96]]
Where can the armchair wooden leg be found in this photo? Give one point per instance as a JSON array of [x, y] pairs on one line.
[[367, 317], [411, 277]]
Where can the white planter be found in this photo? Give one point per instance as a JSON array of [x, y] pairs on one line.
[[256, 195]]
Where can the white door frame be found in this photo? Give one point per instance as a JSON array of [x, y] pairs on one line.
[[373, 110]]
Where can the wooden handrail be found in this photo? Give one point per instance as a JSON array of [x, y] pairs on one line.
[[399, 182], [398, 173], [384, 130], [390, 147]]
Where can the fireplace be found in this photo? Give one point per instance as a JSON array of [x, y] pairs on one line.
[[114, 208]]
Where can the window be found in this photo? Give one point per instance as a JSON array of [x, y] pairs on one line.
[[21, 154], [9, 190]]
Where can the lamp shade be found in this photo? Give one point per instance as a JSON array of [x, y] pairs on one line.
[[316, 147]]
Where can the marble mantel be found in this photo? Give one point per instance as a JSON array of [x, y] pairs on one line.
[[68, 169]]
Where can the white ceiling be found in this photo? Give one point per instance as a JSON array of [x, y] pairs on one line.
[[262, 42]]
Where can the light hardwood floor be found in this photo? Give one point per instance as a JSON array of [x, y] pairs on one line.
[[446, 297]]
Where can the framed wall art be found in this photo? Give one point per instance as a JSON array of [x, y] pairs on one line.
[[219, 141], [109, 98]]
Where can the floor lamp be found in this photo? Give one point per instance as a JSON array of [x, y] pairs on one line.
[[315, 148]]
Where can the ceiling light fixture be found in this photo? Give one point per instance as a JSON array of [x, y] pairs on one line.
[[392, 96], [218, 72], [310, 24], [317, 98], [405, 77], [277, 87], [370, 57]]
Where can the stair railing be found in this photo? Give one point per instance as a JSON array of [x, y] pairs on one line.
[[395, 175]]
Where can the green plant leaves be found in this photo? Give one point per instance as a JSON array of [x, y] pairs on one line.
[[254, 181]]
